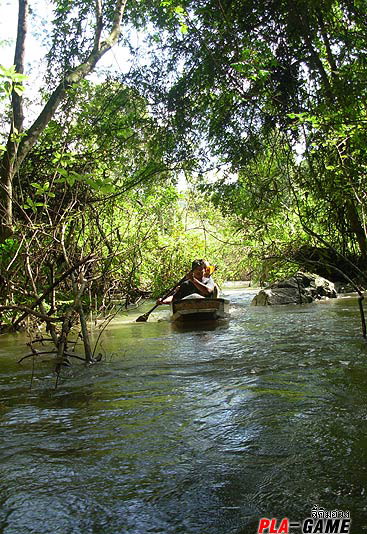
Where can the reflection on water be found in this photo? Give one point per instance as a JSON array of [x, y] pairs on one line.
[[190, 429]]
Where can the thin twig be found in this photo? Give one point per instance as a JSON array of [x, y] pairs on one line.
[[37, 354]]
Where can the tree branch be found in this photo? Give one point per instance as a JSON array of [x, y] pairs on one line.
[[48, 290], [99, 25], [30, 311]]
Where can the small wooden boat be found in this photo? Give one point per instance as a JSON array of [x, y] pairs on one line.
[[200, 309]]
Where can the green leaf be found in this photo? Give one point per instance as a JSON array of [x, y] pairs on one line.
[[63, 172], [239, 67], [18, 89]]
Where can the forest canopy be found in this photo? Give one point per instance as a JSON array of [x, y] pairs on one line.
[[258, 107], [262, 82]]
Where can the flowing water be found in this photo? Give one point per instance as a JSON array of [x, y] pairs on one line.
[[190, 431]]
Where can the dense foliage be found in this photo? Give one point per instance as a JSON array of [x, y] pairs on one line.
[[260, 106], [263, 82]]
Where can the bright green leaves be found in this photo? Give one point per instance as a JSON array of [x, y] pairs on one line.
[[68, 177], [16, 136], [41, 190], [10, 81], [176, 13], [103, 186], [71, 177], [33, 205], [181, 16], [250, 72], [303, 118], [67, 162], [255, 63], [64, 159]]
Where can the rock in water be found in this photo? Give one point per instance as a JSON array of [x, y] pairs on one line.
[[298, 289]]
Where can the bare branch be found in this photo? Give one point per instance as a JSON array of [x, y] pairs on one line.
[[49, 289], [30, 311], [37, 354]]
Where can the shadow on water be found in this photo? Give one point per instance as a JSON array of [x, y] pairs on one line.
[[200, 326], [195, 429]]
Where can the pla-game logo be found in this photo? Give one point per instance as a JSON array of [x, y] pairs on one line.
[[321, 522]]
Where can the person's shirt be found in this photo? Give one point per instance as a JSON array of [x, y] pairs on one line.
[[188, 288], [209, 282]]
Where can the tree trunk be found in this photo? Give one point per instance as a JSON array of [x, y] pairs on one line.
[[357, 228], [16, 126], [6, 199], [17, 101]]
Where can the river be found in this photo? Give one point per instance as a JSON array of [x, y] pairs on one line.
[[190, 431]]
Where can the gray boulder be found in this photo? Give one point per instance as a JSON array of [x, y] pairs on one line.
[[298, 289]]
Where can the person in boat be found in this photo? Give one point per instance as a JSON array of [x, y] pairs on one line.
[[197, 285], [209, 270]]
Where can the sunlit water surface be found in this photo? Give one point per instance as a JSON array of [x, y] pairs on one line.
[[195, 430]]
